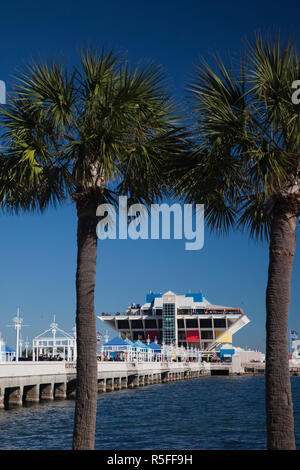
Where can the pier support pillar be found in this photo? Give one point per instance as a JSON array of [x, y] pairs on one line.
[[117, 383], [141, 380], [1, 398], [46, 392], [14, 396], [165, 377], [60, 390], [101, 386], [109, 385], [133, 381], [157, 378], [31, 394], [124, 383], [146, 380]]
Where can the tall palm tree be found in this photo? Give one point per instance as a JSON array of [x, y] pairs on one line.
[[244, 168], [92, 134]]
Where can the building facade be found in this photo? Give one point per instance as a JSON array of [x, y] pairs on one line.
[[183, 320]]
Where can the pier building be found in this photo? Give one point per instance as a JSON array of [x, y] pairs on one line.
[[188, 320]]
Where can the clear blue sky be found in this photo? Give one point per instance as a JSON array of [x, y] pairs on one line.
[[38, 253]]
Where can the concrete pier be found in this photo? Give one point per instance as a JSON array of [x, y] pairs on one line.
[[32, 382]]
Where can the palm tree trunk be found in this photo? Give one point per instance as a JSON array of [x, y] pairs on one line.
[[279, 406], [86, 389]]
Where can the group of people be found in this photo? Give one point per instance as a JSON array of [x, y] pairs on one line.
[[45, 357]]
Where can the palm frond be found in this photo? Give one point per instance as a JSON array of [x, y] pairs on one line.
[[246, 137]]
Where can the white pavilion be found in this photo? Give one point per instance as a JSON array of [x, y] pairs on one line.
[[55, 343]]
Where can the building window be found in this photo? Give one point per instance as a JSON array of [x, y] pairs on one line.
[[219, 323], [207, 334], [205, 323], [150, 324], [123, 324], [191, 323], [136, 324]]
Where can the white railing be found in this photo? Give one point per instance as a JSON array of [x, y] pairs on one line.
[[22, 369]]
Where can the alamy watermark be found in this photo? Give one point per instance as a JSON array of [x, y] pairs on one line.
[[139, 222], [2, 92], [296, 94]]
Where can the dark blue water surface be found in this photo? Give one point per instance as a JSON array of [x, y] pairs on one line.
[[205, 413]]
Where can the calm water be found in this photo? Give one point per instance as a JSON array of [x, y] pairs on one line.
[[205, 413]]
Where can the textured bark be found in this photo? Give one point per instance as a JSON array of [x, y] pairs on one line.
[[279, 406], [86, 390]]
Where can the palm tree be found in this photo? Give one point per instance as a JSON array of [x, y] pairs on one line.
[[244, 167], [95, 133]]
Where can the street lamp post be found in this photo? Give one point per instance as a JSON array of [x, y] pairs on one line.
[[21, 346], [26, 345], [17, 323], [53, 327], [17, 320]]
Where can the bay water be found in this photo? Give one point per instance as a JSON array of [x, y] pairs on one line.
[[207, 413]]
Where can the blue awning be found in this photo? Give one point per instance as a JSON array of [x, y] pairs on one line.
[[141, 345], [116, 345], [155, 347], [117, 341]]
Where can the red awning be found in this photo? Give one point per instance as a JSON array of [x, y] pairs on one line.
[[192, 336]]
